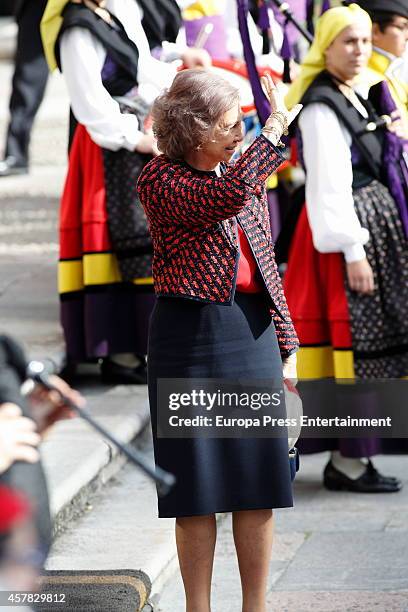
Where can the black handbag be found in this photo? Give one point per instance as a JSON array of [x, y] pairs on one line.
[[294, 462]]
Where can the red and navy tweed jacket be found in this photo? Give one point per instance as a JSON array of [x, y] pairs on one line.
[[192, 217]]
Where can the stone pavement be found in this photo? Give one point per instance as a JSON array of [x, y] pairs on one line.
[[333, 552]]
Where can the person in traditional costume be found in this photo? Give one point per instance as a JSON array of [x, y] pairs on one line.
[[104, 274], [220, 313], [347, 275], [390, 36]]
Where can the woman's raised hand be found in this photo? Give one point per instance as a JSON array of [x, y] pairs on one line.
[[278, 106]]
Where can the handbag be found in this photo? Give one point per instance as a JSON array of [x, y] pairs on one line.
[[294, 462], [294, 409]]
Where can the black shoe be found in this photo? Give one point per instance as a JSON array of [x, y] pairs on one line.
[[12, 166], [68, 372], [115, 374], [369, 482], [80, 372], [372, 470]]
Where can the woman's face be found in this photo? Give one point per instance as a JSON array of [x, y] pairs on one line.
[[226, 137], [350, 51]]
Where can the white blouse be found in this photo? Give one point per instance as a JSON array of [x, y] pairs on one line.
[[329, 178], [82, 60]]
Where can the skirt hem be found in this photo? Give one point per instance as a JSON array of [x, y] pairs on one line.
[[224, 511]]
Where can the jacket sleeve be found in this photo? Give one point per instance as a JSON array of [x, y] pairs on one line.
[[284, 327], [285, 334], [171, 193]]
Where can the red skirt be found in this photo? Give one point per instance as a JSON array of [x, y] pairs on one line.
[[83, 217], [315, 292]]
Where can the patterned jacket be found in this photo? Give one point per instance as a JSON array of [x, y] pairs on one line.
[[192, 217]]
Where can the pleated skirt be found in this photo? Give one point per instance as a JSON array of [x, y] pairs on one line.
[[190, 339]]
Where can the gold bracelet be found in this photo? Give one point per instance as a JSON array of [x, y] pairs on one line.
[[281, 127], [283, 120], [269, 128], [280, 116], [276, 133]]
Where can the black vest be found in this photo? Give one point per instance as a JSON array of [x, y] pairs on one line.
[[368, 143], [161, 20]]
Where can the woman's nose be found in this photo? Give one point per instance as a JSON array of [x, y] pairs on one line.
[[360, 48]]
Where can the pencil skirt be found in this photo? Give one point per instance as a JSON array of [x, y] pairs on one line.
[[191, 339]]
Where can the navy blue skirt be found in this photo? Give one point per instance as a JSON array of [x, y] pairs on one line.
[[189, 339]]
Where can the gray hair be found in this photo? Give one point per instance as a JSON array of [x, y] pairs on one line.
[[185, 115]]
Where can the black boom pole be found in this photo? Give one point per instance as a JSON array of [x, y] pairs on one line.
[[285, 9]]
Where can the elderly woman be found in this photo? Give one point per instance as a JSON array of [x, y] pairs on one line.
[[220, 313], [347, 276]]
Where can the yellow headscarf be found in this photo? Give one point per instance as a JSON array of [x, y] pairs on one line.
[[328, 27], [202, 8], [50, 27]]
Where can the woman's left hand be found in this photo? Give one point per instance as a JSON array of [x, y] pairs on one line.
[[360, 276], [277, 102]]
